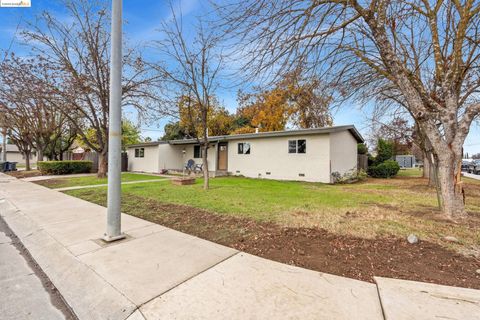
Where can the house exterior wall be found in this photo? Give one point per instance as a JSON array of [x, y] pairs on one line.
[[271, 155], [19, 158], [343, 152], [211, 156], [170, 157], [405, 161], [166, 156], [149, 163]]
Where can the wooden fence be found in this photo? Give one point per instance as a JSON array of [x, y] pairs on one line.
[[362, 162]]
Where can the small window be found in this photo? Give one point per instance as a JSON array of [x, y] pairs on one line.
[[139, 152], [197, 152], [292, 146], [301, 146], [244, 148], [297, 146]]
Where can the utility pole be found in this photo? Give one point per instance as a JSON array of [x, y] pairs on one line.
[[115, 129]]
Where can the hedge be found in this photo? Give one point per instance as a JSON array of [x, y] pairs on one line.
[[386, 169], [64, 167]]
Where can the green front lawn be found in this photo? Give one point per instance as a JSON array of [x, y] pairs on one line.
[[376, 207], [413, 172], [92, 180]]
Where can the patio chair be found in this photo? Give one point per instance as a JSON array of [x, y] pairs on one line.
[[198, 167], [190, 166]]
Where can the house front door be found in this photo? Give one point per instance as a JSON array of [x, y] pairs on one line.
[[222, 156]]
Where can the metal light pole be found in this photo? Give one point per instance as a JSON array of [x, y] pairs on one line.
[[115, 128]]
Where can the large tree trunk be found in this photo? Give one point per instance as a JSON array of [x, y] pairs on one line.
[[102, 165], [430, 170], [27, 161], [205, 166], [453, 196], [39, 153], [426, 166]]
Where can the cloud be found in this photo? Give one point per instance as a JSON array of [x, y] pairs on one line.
[[182, 8]]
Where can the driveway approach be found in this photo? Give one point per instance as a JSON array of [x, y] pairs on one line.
[[159, 273]]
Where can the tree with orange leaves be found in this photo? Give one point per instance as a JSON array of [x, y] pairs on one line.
[[294, 101]]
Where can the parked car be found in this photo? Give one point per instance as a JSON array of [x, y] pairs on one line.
[[465, 165], [474, 167]]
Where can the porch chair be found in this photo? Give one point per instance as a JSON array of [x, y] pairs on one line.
[[190, 165], [198, 167]]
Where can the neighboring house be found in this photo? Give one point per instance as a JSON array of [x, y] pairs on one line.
[[406, 161], [306, 155], [14, 155]]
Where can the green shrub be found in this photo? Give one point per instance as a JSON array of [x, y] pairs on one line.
[[384, 151], [362, 148], [386, 169], [64, 167], [350, 176]]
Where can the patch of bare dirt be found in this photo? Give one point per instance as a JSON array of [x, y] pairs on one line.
[[24, 174], [50, 183], [317, 249]]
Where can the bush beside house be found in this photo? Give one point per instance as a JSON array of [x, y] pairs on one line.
[[386, 169], [64, 167], [350, 176], [382, 165], [362, 148]]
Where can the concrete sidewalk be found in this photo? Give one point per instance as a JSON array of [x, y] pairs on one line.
[[159, 273]]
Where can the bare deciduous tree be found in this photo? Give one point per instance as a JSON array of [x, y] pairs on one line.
[[79, 49], [20, 134], [28, 92], [191, 69], [423, 53]]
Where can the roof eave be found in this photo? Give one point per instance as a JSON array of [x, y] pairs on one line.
[[285, 133]]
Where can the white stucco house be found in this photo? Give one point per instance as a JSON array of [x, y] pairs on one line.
[[304, 155]]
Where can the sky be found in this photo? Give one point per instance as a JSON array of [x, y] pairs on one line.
[[142, 20]]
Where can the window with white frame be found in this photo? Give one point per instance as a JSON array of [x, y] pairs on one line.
[[297, 146], [243, 148], [139, 152]]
